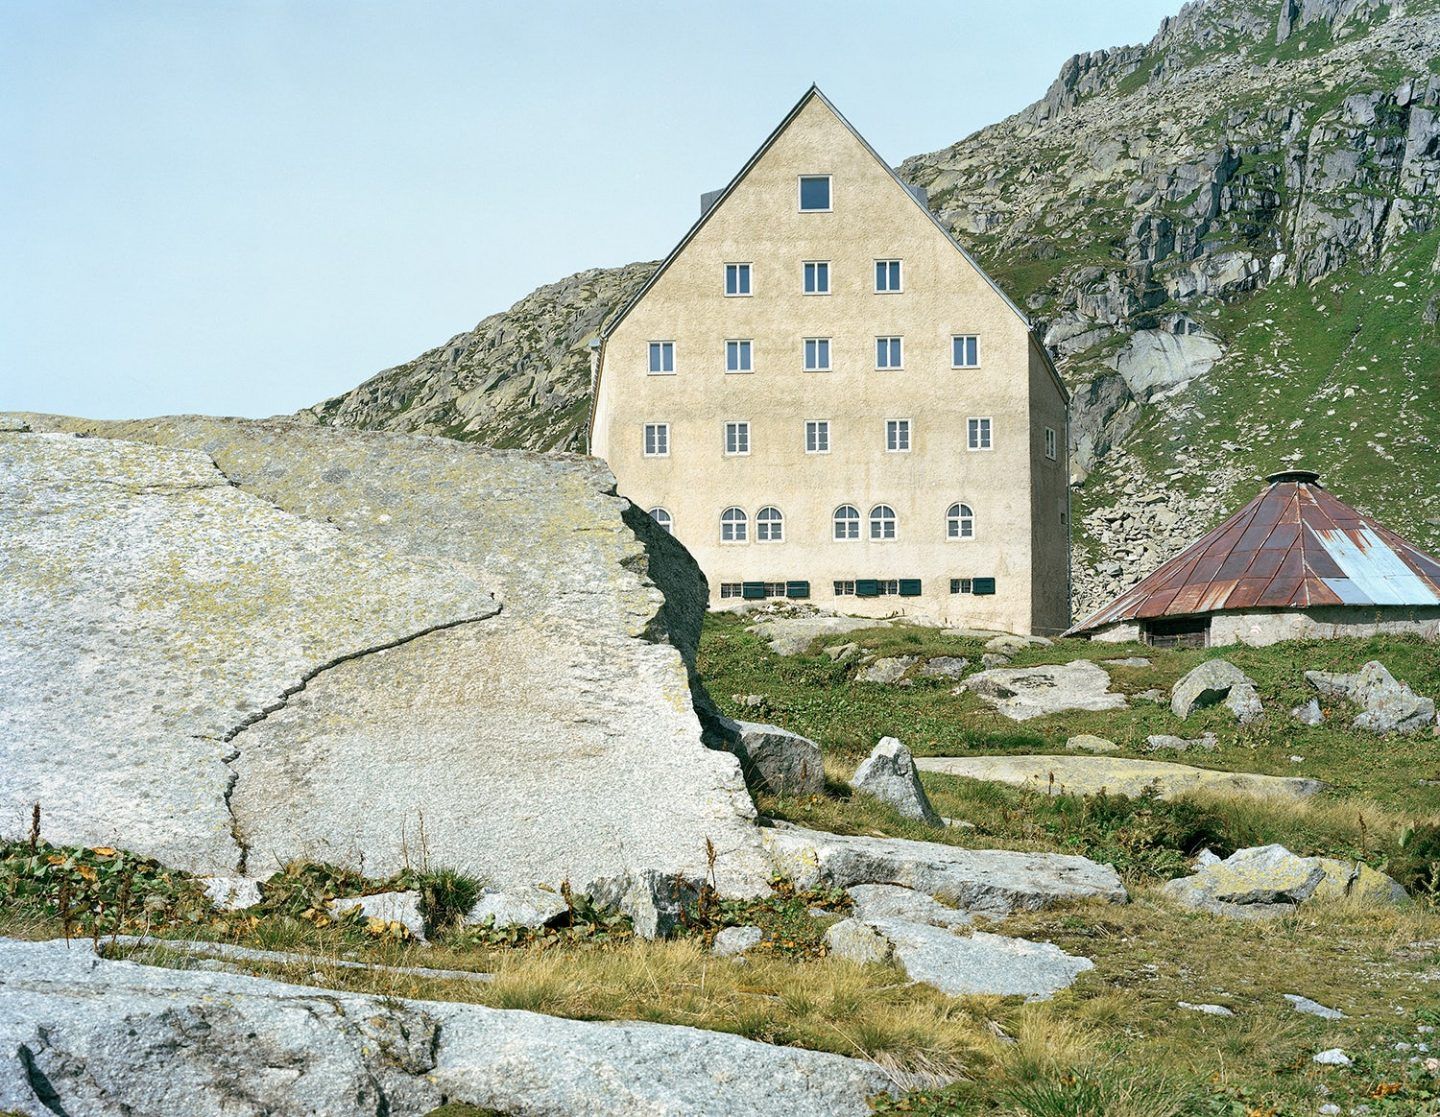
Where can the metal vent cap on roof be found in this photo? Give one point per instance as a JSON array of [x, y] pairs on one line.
[[1295, 476]]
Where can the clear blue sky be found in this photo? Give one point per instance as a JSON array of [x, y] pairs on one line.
[[245, 207]]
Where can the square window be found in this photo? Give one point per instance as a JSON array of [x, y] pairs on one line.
[[731, 589], [964, 351], [737, 356], [737, 438], [1052, 448], [737, 279], [817, 354], [657, 440], [961, 585], [662, 357], [814, 193], [887, 276], [817, 277], [817, 436], [979, 433], [845, 588], [897, 435], [889, 352]]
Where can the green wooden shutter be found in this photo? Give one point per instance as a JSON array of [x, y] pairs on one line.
[[752, 591], [982, 586], [909, 587], [797, 589], [867, 587]]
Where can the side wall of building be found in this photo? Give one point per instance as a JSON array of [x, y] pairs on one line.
[[1050, 497], [872, 218], [1262, 628]]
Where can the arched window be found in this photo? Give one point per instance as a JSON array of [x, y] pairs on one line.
[[734, 526], [663, 518], [847, 522], [769, 525], [959, 522], [882, 522]]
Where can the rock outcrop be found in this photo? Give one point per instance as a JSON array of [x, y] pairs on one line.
[[888, 774], [1269, 880], [775, 760], [1387, 705], [82, 1035], [1021, 693], [228, 644], [1216, 682]]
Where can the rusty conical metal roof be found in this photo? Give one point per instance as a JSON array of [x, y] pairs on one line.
[[1294, 546]]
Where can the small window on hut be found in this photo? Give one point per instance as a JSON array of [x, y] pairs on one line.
[[1177, 632]]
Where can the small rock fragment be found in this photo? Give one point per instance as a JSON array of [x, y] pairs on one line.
[[856, 942], [1089, 742], [736, 940], [1208, 1010], [1313, 1008], [888, 774], [1333, 1058], [1308, 714], [386, 907]]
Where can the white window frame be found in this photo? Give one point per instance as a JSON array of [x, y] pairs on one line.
[[661, 435], [805, 354], [873, 521], [843, 587], [817, 265], [900, 275], [887, 587], [972, 433], [740, 429], [732, 589], [743, 523], [897, 427], [650, 359], [749, 273], [1052, 444], [817, 427], [662, 517], [829, 193], [836, 521], [955, 516], [967, 337], [962, 585], [743, 346], [894, 345], [774, 530]]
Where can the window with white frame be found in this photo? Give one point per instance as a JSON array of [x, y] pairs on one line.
[[737, 279], [732, 589], [845, 588], [737, 438], [889, 352], [962, 585], [662, 517], [662, 357], [887, 587], [897, 436], [734, 526], [887, 276], [882, 522], [769, 525], [817, 436], [964, 351], [775, 589], [846, 522], [737, 356], [657, 440], [817, 354], [979, 433], [1052, 444], [817, 277], [814, 193], [959, 522]]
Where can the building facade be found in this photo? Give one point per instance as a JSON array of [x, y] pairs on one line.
[[824, 398]]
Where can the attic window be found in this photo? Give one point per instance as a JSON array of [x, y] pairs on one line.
[[1176, 632], [814, 193]]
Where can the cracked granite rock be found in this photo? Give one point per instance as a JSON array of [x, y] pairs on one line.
[[238, 643]]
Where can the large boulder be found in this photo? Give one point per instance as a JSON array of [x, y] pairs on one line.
[[82, 1035], [1214, 682], [229, 644], [888, 774], [1088, 775], [1021, 693], [1270, 880], [1389, 706], [988, 882], [890, 669], [775, 760], [791, 635]]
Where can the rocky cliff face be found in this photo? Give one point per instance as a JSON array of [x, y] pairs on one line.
[[1227, 236], [229, 644]]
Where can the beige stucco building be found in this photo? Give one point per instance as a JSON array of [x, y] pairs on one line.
[[823, 396]]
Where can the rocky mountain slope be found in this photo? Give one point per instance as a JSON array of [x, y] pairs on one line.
[[1228, 237]]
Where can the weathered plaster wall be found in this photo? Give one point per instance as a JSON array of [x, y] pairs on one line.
[[872, 218]]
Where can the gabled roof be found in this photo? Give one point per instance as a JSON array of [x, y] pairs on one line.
[[1294, 546], [813, 93]]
